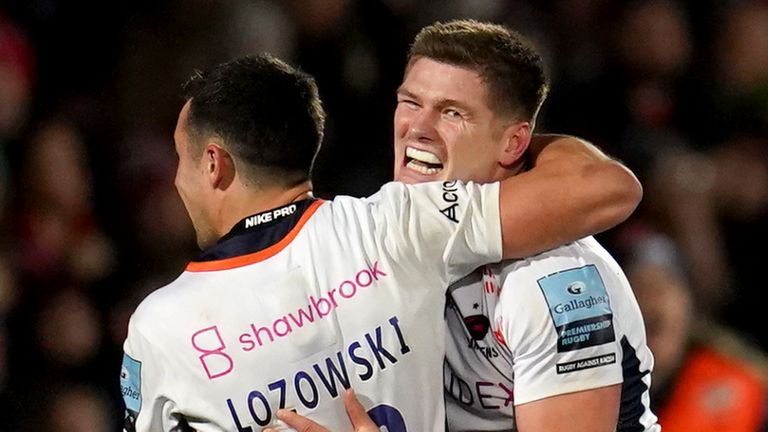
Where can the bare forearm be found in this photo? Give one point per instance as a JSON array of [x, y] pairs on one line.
[[574, 190]]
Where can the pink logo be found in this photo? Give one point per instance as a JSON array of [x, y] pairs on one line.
[[215, 361]]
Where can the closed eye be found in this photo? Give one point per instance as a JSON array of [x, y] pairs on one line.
[[453, 114], [410, 103]]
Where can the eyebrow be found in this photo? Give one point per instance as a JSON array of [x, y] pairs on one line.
[[440, 103], [404, 92]]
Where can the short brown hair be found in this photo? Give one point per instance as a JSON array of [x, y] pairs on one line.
[[507, 62]]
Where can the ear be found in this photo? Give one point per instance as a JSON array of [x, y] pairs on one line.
[[516, 139], [219, 166]]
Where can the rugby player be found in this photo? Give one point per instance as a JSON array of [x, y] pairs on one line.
[[553, 342], [293, 300]]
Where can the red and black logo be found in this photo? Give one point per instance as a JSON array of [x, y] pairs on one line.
[[478, 326]]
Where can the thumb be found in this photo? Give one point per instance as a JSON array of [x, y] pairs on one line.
[[356, 412]]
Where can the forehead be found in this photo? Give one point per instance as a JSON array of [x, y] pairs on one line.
[[435, 80]]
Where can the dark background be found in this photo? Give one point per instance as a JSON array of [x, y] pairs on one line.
[[89, 94]]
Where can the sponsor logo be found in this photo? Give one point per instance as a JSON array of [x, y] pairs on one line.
[[587, 363], [130, 387], [451, 198], [477, 326], [269, 216], [585, 333], [573, 305], [486, 395], [576, 288], [214, 357], [580, 308]]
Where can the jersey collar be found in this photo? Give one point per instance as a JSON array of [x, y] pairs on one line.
[[257, 232]]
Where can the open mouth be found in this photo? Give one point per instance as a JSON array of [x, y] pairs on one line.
[[422, 161]]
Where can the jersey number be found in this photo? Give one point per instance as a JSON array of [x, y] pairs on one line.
[[387, 417]]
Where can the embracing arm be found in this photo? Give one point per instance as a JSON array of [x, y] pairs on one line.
[[574, 190]]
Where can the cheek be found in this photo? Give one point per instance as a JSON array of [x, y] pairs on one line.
[[183, 182], [177, 179], [401, 121]]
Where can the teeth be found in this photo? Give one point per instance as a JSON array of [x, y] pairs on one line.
[[422, 156], [422, 169]]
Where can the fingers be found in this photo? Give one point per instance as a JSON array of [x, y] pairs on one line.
[[355, 410], [297, 422], [357, 413]]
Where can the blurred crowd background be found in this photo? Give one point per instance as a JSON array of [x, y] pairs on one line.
[[90, 221]]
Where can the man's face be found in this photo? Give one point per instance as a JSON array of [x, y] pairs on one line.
[[192, 182], [444, 128]]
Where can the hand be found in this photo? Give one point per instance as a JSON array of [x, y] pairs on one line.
[[355, 410]]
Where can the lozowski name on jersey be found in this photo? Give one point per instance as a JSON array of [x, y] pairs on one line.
[[372, 353], [573, 305]]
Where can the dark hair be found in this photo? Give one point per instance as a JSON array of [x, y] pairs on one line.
[[268, 115], [512, 70]]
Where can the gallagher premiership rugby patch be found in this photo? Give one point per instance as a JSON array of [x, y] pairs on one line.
[[130, 385], [579, 306]]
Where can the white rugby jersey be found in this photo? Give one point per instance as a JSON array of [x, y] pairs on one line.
[[300, 302], [560, 322]]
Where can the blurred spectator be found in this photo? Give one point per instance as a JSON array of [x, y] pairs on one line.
[[68, 330], [67, 406], [60, 236], [160, 239], [715, 206], [57, 350], [705, 378], [632, 79], [17, 76], [740, 91], [78, 409]]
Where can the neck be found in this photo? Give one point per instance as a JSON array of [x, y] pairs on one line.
[[507, 171], [248, 202]]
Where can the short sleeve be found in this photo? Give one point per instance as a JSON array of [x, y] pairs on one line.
[[556, 318], [140, 378], [447, 225]]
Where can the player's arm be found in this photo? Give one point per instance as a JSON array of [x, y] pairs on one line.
[[567, 360], [585, 411], [573, 190]]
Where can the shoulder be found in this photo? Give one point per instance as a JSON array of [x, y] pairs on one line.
[[163, 302], [572, 255], [437, 191], [531, 285]]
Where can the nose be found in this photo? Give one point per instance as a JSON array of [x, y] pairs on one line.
[[423, 126]]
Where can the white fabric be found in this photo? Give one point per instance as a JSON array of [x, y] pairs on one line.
[[356, 299], [525, 301]]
